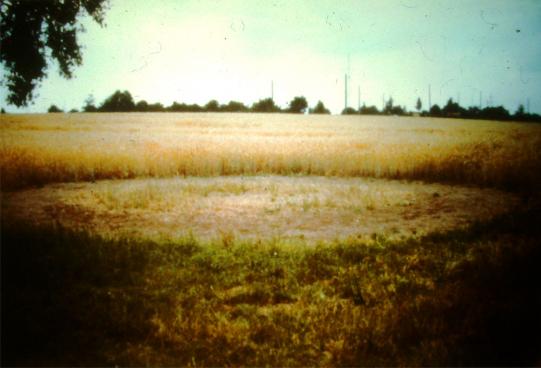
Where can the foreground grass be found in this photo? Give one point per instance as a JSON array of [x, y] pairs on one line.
[[458, 298], [41, 149]]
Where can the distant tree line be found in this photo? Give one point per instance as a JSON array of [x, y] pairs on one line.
[[454, 110], [122, 101], [450, 110]]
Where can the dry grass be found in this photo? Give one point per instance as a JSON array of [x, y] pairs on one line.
[[296, 209], [40, 149]]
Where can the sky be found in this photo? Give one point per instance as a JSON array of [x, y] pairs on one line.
[[193, 51]]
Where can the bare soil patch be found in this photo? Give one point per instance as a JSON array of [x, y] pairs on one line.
[[257, 207]]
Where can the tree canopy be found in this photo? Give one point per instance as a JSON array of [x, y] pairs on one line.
[[298, 105], [265, 105], [118, 102], [54, 108], [320, 109], [33, 32]]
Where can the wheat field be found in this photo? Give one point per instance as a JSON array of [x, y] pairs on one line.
[[268, 240], [41, 149]]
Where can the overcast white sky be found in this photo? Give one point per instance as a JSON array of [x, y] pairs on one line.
[[194, 51]]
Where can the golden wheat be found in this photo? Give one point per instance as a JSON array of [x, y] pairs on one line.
[[40, 149]]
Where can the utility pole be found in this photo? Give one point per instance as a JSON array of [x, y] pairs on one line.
[[359, 98], [528, 105], [345, 91], [429, 98], [346, 76], [480, 99]]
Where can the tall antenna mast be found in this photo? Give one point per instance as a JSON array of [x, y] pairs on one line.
[[359, 98]]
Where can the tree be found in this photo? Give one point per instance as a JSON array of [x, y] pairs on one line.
[[349, 111], [398, 110], [495, 113], [435, 110], [54, 108], [155, 107], [118, 102], [34, 32], [265, 105], [89, 104], [452, 109], [520, 112], [234, 106], [182, 107], [369, 110], [141, 106], [298, 105], [320, 109], [212, 106], [387, 110], [419, 104]]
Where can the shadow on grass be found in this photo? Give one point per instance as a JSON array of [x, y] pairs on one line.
[[468, 297]]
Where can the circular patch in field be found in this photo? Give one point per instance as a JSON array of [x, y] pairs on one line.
[[262, 207]]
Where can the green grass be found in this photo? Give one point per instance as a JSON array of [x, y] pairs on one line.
[[467, 297]]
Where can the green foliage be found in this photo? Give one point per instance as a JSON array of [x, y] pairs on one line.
[[468, 297], [520, 111], [182, 107], [418, 104], [369, 110], [452, 109], [54, 108], [118, 102], [391, 109], [319, 109], [212, 106], [349, 111], [265, 105], [234, 106], [435, 110], [89, 104], [298, 105], [35, 31]]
